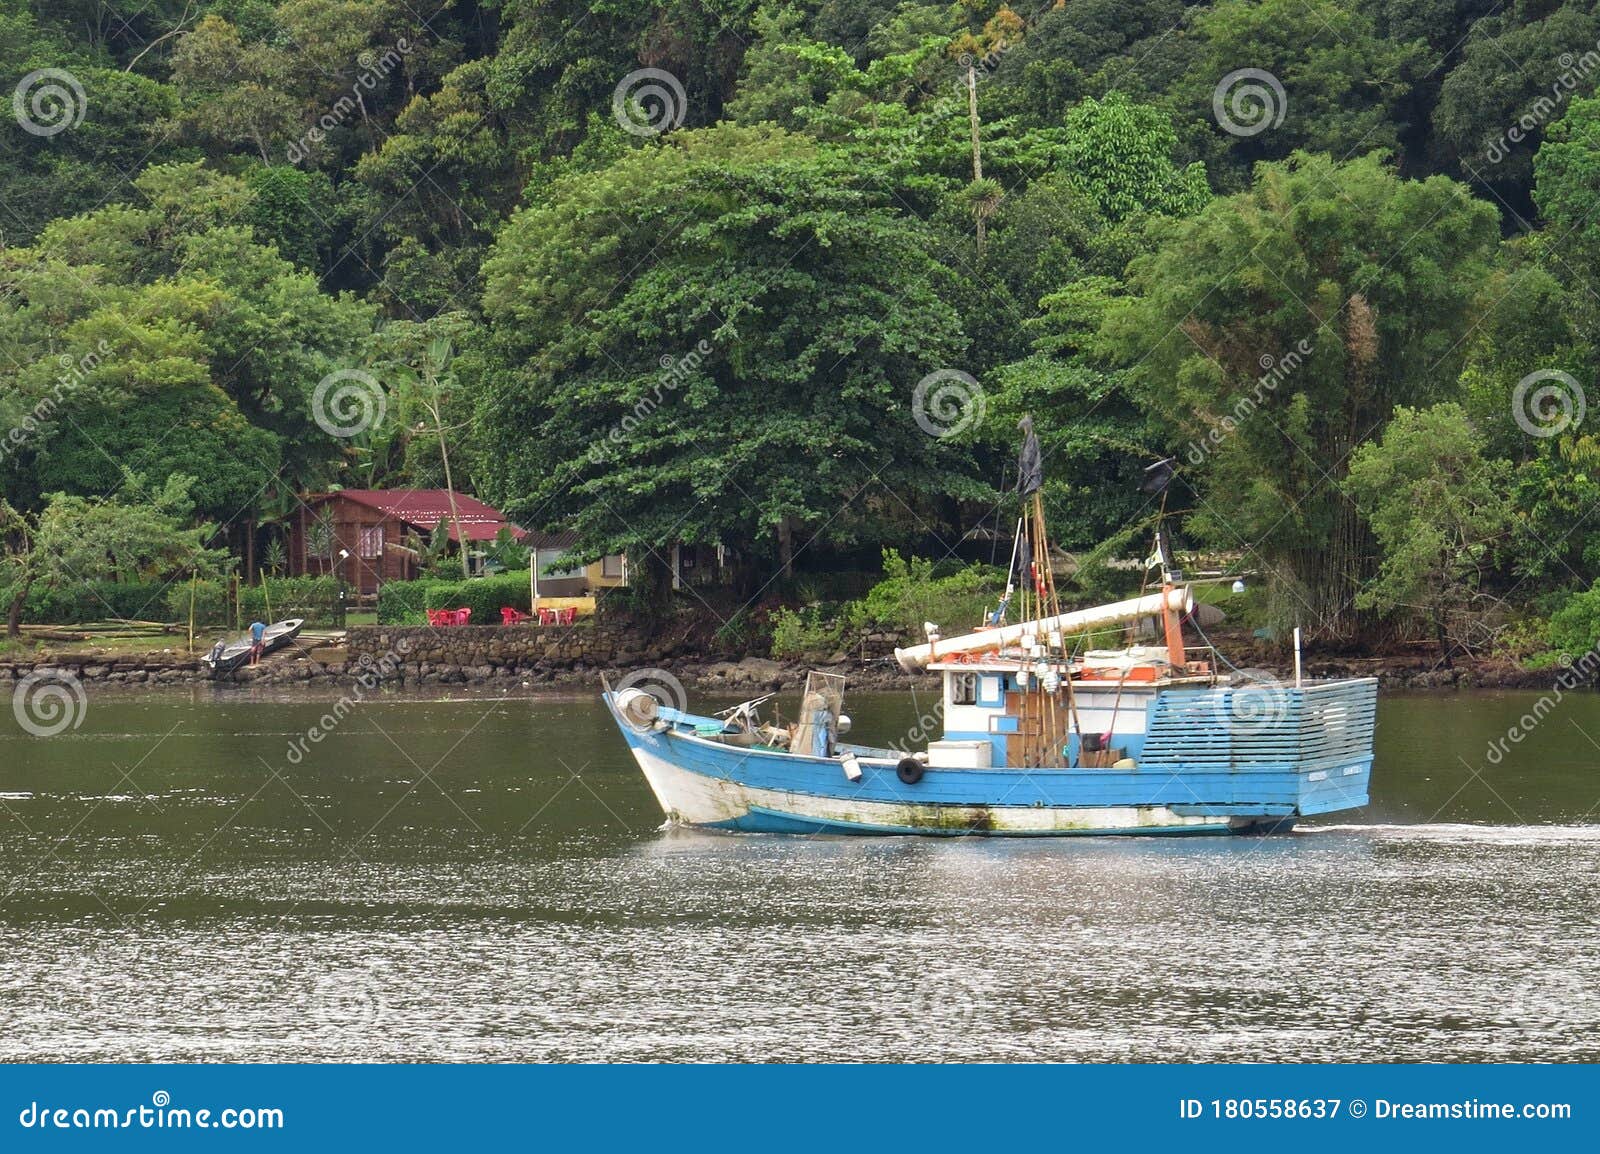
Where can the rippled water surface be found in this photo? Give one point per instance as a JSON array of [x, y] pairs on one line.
[[485, 879]]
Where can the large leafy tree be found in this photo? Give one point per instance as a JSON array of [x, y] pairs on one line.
[[1121, 154], [1088, 48], [1064, 243], [1566, 180], [1491, 117], [1344, 86], [262, 81], [1276, 331], [160, 337], [85, 128], [1437, 507], [716, 338], [1095, 439], [139, 533]]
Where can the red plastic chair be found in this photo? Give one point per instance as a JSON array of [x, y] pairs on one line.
[[547, 617], [567, 616], [462, 616], [439, 618], [510, 616]]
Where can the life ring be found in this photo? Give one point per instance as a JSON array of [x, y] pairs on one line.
[[909, 770]]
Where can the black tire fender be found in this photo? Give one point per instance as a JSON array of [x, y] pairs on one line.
[[909, 770]]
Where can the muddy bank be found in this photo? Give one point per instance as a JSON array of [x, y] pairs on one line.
[[576, 658], [1413, 668], [414, 657]]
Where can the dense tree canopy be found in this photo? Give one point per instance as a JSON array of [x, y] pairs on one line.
[[800, 308], [1276, 332], [783, 276], [168, 340]]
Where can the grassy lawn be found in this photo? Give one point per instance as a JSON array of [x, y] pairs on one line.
[[41, 649], [114, 645]]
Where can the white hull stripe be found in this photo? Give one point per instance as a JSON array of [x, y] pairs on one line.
[[701, 800]]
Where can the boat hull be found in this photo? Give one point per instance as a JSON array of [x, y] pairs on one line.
[[704, 782], [722, 803]]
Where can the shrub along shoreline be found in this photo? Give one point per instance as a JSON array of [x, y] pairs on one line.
[[856, 635]]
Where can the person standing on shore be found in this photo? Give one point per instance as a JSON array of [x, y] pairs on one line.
[[258, 635]]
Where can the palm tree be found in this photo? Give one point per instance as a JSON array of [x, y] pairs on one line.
[[424, 389]]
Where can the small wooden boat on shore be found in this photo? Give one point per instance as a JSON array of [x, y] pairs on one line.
[[226, 656]]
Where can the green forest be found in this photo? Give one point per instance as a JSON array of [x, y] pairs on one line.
[[783, 277]]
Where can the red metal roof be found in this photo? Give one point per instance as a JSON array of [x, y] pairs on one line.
[[425, 508]]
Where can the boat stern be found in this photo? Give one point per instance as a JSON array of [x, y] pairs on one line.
[[1267, 748]]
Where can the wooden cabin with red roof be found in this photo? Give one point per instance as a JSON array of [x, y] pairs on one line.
[[359, 535]]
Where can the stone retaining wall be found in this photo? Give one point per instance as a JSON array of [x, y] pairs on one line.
[[418, 655], [475, 655], [406, 655], [144, 669], [524, 656]]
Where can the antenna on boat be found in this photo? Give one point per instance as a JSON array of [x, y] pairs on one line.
[[1157, 477], [1155, 481], [998, 617]]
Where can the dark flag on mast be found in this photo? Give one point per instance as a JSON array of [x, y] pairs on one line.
[[1030, 463], [1157, 477]]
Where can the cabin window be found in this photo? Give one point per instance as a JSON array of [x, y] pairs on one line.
[[371, 542], [611, 565], [963, 689]]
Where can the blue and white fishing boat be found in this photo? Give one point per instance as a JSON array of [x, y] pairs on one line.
[[1042, 735]]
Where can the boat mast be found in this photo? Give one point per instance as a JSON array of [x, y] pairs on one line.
[[1039, 602]]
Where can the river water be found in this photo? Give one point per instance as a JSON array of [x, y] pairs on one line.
[[485, 878]]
